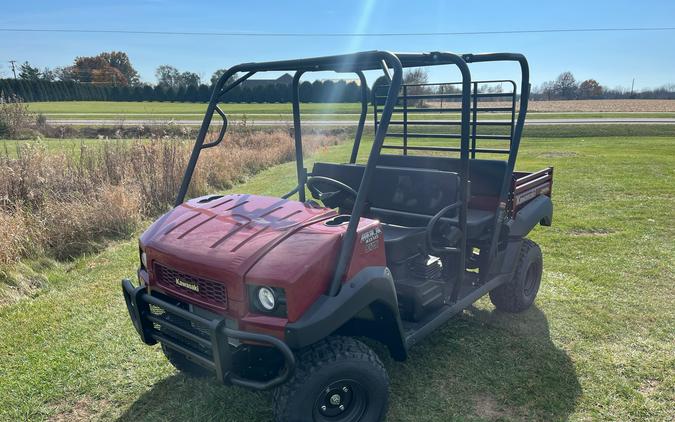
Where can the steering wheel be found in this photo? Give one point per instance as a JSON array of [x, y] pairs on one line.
[[317, 193]]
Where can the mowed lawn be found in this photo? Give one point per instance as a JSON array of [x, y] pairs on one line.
[[131, 107], [599, 344]]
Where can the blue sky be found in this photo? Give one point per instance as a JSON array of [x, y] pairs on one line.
[[613, 58]]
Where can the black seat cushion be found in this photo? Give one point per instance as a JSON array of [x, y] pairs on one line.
[[401, 242], [393, 233], [407, 197], [477, 221]]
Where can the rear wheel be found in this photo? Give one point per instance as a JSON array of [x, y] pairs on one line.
[[519, 294], [337, 379], [183, 364]]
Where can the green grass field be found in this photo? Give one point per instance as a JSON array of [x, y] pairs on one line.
[[599, 344], [74, 145], [122, 107], [312, 111]]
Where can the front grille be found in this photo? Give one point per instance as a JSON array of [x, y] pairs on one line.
[[191, 286], [192, 327]]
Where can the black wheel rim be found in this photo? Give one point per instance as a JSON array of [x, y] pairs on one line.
[[531, 279], [343, 401]]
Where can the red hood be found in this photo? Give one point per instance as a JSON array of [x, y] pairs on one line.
[[222, 238]]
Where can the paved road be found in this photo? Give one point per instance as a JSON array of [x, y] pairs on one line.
[[254, 122]]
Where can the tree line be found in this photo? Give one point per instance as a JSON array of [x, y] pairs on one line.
[[566, 87], [110, 76], [42, 90]]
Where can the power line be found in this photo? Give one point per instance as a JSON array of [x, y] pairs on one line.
[[336, 34]]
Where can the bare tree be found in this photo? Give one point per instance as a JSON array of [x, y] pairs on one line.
[[547, 89], [415, 79], [187, 79], [48, 74], [220, 72], [416, 76], [566, 86], [167, 76]]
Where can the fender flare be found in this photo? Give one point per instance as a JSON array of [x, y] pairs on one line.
[[540, 210], [372, 287]]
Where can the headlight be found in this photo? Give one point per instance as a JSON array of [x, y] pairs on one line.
[[144, 260], [267, 299]]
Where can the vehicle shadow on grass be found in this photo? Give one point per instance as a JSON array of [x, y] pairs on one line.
[[181, 398], [482, 365], [486, 365]]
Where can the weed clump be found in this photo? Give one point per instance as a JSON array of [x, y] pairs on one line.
[[16, 121]]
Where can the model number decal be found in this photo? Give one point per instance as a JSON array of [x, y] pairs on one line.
[[370, 239], [532, 193]]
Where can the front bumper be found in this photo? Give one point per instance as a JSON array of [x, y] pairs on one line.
[[138, 304]]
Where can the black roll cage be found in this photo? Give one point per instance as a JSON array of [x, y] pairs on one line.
[[392, 64]]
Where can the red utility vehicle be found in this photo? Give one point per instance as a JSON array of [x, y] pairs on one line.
[[269, 292]]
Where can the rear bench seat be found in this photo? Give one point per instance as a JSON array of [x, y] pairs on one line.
[[409, 192], [403, 199], [486, 176]]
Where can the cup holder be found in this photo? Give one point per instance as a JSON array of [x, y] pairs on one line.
[[336, 221]]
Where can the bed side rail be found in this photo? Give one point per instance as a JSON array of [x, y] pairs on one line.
[[525, 187]]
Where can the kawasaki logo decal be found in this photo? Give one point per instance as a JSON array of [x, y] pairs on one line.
[[191, 286]]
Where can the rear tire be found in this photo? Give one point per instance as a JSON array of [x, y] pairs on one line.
[[519, 294], [184, 365], [338, 379]]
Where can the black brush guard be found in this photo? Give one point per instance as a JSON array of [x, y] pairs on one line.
[[138, 304]]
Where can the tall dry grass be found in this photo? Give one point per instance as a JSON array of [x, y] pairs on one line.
[[16, 121], [66, 203]]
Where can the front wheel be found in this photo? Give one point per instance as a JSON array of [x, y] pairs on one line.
[[338, 379]]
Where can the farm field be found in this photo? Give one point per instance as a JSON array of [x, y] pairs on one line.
[[598, 344], [118, 111]]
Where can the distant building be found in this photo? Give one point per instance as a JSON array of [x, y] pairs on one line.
[[284, 79]]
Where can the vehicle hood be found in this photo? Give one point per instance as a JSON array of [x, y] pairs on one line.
[[222, 237]]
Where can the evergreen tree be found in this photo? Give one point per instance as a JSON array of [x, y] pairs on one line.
[[317, 91], [28, 72], [191, 93], [181, 94], [306, 92], [148, 94], [204, 93]]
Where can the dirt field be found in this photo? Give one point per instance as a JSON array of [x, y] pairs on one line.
[[591, 106], [603, 106], [183, 110]]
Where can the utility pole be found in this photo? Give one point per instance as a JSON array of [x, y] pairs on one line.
[[12, 62], [631, 88]]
